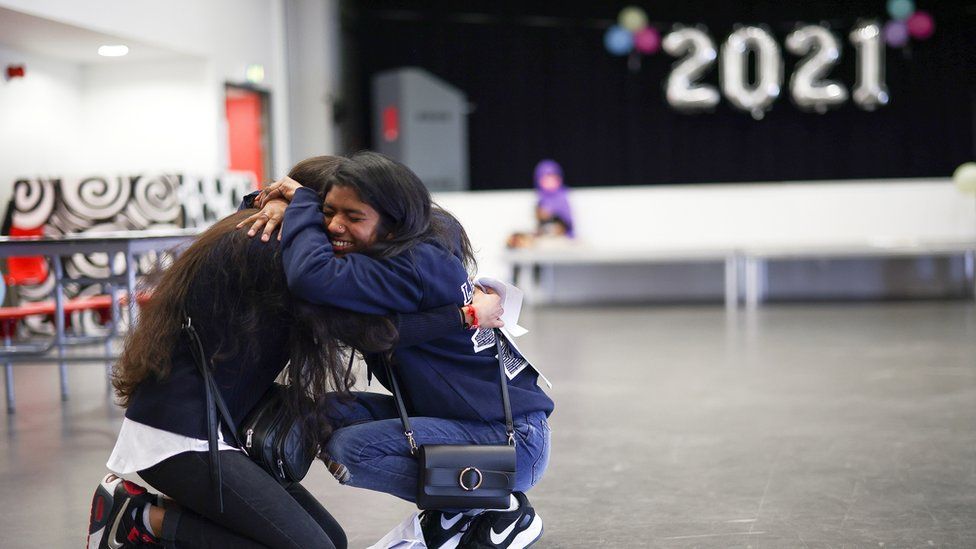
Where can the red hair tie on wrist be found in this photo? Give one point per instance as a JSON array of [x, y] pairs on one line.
[[474, 316]]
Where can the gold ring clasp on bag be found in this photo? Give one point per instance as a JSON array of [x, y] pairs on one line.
[[481, 478]]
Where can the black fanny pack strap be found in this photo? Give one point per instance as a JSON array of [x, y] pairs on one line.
[[506, 403], [215, 404]]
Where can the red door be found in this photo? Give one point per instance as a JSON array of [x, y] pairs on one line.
[[247, 132]]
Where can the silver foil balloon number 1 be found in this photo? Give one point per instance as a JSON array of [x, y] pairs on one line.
[[818, 48], [870, 91]]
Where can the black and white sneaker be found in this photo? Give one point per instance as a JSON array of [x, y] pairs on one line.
[[116, 519], [505, 529], [443, 530]]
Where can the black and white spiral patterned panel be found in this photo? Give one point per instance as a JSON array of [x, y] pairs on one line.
[[100, 203], [155, 199], [89, 322], [95, 265], [225, 196], [33, 202], [207, 199], [96, 198], [64, 221]]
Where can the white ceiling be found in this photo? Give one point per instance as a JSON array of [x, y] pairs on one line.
[[50, 38]]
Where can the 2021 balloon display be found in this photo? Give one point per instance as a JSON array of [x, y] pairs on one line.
[[819, 51], [750, 64]]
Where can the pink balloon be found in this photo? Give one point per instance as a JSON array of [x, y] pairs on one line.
[[921, 25], [647, 40]]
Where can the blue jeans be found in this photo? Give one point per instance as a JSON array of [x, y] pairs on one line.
[[370, 443]]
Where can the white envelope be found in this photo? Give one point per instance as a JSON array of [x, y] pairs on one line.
[[511, 304]]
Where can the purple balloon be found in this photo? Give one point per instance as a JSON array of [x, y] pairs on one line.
[[896, 34]]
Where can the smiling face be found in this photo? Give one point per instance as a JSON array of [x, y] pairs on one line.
[[351, 223]]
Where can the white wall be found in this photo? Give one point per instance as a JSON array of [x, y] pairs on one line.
[[231, 33], [312, 43], [149, 116], [123, 115], [839, 212], [227, 35], [64, 118], [42, 119]]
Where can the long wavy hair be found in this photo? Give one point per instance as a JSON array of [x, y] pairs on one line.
[[250, 292], [407, 212]]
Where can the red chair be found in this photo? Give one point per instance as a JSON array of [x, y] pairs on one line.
[[26, 270]]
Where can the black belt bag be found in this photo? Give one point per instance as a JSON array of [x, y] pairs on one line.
[[273, 436], [463, 476]]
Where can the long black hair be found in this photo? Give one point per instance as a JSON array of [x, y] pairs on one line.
[[408, 215], [239, 289]]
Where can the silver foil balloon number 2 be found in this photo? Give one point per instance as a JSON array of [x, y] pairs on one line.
[[818, 48]]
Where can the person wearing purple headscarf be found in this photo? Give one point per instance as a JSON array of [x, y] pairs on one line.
[[552, 209]]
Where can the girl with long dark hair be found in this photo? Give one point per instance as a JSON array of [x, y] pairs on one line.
[[385, 248]]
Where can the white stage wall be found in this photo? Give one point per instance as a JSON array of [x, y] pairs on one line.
[[876, 212]]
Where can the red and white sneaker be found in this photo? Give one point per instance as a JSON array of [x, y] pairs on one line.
[[117, 515]]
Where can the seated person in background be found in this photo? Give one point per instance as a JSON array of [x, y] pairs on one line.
[[553, 213]]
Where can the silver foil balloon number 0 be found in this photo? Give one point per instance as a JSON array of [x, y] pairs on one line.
[[754, 98], [810, 90]]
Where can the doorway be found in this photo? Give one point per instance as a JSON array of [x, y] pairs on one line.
[[249, 132]]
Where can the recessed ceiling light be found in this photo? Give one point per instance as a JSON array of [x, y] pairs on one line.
[[113, 51]]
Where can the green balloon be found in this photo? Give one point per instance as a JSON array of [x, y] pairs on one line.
[[965, 177], [900, 10], [632, 18]]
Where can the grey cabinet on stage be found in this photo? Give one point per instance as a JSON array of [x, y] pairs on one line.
[[421, 121]]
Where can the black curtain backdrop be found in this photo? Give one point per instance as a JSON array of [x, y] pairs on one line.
[[541, 84]]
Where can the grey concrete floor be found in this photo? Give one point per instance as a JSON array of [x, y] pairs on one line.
[[841, 425]]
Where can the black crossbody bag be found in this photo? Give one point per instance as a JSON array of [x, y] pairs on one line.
[[463, 476], [274, 437]]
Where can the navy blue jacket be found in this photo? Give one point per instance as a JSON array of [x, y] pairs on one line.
[[244, 370], [445, 377]]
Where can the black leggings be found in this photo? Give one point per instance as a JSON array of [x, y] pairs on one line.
[[258, 512]]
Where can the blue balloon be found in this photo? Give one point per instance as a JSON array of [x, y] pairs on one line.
[[618, 40], [899, 10]]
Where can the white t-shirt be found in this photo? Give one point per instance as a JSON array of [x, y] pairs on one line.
[[140, 446]]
